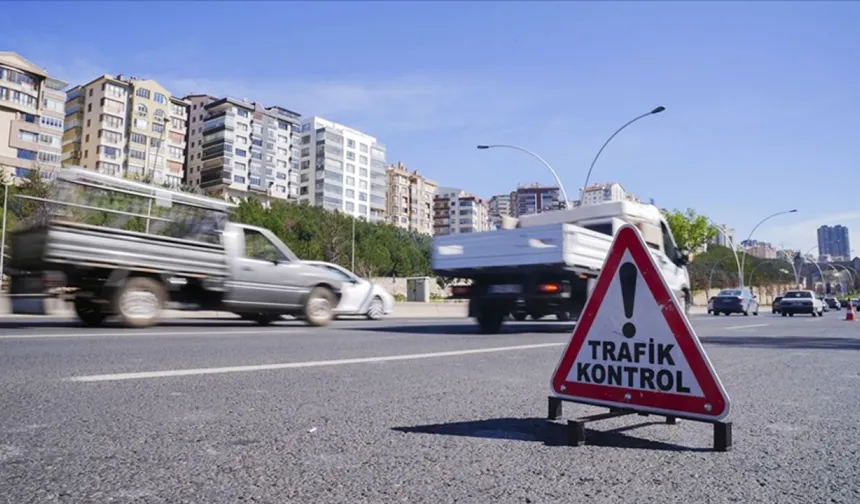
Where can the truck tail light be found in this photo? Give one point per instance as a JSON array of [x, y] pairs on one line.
[[549, 288], [461, 290]]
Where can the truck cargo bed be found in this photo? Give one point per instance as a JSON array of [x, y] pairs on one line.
[[552, 245], [62, 245]]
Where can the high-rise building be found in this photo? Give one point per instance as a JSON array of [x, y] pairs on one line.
[[498, 206], [31, 117], [410, 199], [725, 237], [456, 211], [834, 241], [127, 127], [604, 193], [238, 148], [342, 169], [535, 198]]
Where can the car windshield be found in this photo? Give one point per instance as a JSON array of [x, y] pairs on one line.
[[730, 293], [798, 294]]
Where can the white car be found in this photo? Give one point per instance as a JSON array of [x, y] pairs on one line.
[[359, 296], [801, 301]]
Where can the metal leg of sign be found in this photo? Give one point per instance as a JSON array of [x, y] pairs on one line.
[[722, 436], [555, 407], [576, 428], [670, 420]]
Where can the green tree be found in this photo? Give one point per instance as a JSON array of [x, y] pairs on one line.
[[691, 230]]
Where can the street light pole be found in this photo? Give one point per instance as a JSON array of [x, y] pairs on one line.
[[353, 243], [542, 160], [3, 236], [743, 259], [735, 252], [628, 123]]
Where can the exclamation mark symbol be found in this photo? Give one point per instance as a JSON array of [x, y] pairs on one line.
[[627, 275]]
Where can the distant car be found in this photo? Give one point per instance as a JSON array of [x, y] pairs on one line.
[[832, 302], [801, 301], [735, 301], [844, 303], [774, 307], [711, 305], [360, 296]]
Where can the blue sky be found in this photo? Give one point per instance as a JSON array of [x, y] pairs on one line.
[[762, 98]]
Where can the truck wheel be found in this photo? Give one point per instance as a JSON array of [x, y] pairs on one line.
[[88, 312], [519, 316], [319, 307], [139, 302], [490, 320], [564, 316]]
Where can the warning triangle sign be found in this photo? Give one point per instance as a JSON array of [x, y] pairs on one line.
[[633, 346]]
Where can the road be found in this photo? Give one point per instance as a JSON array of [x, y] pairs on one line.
[[417, 410]]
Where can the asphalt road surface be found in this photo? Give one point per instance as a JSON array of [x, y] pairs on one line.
[[407, 411]]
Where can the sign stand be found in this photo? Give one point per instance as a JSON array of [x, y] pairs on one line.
[[634, 351], [576, 428]]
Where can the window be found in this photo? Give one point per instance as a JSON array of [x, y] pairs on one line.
[[257, 155], [111, 121], [668, 245], [178, 110], [240, 167], [282, 139], [350, 155], [154, 142], [362, 184], [26, 154], [257, 142], [350, 144], [241, 152], [55, 105], [143, 93], [138, 138], [51, 122], [283, 152], [157, 128], [239, 179], [136, 154], [109, 152], [53, 140], [242, 112], [306, 152], [306, 139], [363, 148], [159, 98], [350, 168], [114, 90], [110, 136], [363, 160], [159, 114], [28, 136], [113, 106], [141, 110], [177, 123], [254, 180], [350, 193], [362, 172], [141, 124], [350, 181], [362, 209], [49, 157], [175, 152]]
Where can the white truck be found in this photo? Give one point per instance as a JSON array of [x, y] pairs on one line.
[[546, 264]]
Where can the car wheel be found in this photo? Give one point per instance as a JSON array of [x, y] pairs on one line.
[[784, 314], [376, 310], [755, 313], [746, 313], [520, 316], [319, 307], [790, 314]]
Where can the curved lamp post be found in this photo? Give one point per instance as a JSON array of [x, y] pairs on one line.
[[542, 160], [793, 268], [735, 252], [628, 123], [743, 259]]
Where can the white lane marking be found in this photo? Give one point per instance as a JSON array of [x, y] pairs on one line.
[[748, 326], [296, 365], [131, 333]]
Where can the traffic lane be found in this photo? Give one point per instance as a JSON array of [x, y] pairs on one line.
[[466, 428], [50, 352], [32, 355]]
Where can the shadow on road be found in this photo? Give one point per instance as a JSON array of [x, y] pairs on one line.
[[468, 328], [109, 325], [785, 342], [546, 432]]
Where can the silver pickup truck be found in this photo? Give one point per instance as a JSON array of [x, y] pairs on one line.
[[161, 249]]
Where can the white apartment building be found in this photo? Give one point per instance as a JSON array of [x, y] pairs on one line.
[[342, 169], [410, 199], [31, 117], [456, 211], [725, 237], [498, 206], [238, 148], [126, 127], [604, 193]]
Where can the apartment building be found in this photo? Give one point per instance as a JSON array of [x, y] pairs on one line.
[[410, 199], [834, 241], [238, 148], [604, 193], [126, 127], [498, 206], [31, 117], [456, 211], [725, 237], [534, 198], [342, 169]]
